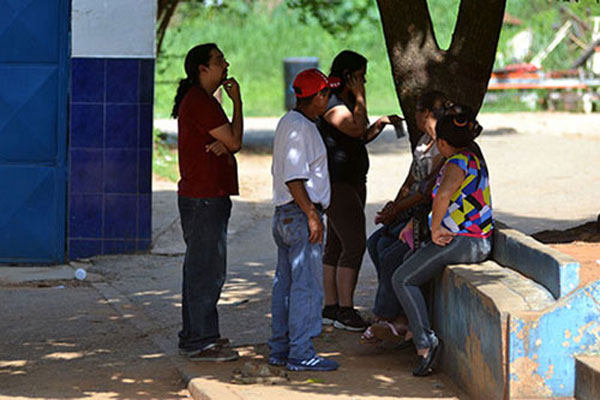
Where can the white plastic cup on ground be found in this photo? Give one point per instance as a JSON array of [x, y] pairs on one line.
[[80, 274]]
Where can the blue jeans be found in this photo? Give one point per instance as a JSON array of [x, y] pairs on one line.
[[298, 286], [424, 265], [387, 252], [204, 224]]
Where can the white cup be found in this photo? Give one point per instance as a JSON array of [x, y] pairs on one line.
[[80, 274]]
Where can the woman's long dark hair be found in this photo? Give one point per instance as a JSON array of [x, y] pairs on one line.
[[346, 62], [459, 128], [434, 101], [196, 56]]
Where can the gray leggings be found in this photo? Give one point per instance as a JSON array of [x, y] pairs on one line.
[[424, 265]]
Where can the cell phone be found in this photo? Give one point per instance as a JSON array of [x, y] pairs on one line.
[[407, 235], [400, 129]]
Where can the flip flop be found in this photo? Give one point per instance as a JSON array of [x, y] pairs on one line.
[[387, 332], [367, 337]]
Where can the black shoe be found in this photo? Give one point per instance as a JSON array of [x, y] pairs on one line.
[[212, 352], [349, 319], [330, 314], [424, 364]]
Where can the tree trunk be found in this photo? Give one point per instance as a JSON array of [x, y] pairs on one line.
[[418, 64], [165, 10]]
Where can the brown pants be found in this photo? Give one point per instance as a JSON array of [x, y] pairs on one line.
[[346, 234]]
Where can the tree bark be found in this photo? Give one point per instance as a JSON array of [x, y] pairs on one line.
[[418, 64], [166, 9]]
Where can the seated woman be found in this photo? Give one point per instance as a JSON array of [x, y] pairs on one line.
[[384, 246], [461, 227]]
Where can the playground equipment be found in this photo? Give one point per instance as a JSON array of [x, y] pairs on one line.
[[578, 85]]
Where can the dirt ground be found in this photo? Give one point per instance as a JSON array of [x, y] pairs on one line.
[[60, 340], [545, 176], [116, 338], [582, 243]]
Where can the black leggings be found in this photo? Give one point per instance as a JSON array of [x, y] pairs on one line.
[[346, 235]]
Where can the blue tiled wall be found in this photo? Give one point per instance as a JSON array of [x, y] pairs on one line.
[[110, 153]]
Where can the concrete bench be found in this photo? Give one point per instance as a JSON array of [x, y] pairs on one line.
[[512, 326]]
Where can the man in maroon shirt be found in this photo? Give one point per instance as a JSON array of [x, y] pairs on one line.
[[207, 142]]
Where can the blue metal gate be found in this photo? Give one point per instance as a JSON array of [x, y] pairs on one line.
[[33, 129]]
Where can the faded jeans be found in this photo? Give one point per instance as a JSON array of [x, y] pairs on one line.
[[204, 224], [297, 287], [387, 252], [424, 265]]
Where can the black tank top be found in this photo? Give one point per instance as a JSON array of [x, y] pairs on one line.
[[347, 157]]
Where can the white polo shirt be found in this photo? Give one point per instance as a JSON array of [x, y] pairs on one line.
[[299, 153]]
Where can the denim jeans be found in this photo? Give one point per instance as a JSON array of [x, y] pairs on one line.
[[387, 252], [204, 223], [422, 266], [298, 286]]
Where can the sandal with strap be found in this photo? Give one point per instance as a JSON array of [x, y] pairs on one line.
[[386, 331], [367, 337]]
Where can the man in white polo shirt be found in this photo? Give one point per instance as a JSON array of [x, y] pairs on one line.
[[301, 193]]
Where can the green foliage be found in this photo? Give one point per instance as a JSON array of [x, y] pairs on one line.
[[164, 160], [544, 18], [256, 44], [257, 35], [336, 16]]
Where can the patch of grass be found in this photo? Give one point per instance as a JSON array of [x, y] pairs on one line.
[[256, 45], [165, 161], [506, 101], [256, 37]]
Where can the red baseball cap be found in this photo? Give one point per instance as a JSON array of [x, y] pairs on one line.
[[312, 81]]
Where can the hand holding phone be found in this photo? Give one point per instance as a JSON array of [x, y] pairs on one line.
[[355, 84]]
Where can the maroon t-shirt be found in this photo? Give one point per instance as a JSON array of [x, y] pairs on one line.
[[203, 174]]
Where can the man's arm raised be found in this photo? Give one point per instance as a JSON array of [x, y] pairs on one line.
[[230, 134]]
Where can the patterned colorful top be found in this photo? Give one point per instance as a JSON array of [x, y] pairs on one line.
[[470, 210]]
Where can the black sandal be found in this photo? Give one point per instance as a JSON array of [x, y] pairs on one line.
[[424, 364]]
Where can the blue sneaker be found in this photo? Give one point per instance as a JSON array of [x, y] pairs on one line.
[[277, 360], [315, 363]]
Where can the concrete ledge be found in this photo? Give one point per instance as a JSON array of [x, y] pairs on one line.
[[587, 377], [472, 304], [15, 275], [554, 270], [205, 389], [543, 345], [505, 336]]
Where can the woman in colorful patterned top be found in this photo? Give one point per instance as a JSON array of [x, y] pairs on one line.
[[461, 227], [414, 197]]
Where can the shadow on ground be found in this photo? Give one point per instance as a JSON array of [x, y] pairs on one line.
[[366, 371], [64, 341]]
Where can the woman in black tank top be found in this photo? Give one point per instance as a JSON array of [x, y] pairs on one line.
[[345, 130]]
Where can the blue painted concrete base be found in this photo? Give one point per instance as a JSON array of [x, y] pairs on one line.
[[507, 335], [543, 345]]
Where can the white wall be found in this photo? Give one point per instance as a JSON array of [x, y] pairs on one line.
[[113, 28]]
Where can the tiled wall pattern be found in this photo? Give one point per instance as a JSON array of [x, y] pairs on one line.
[[110, 151]]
